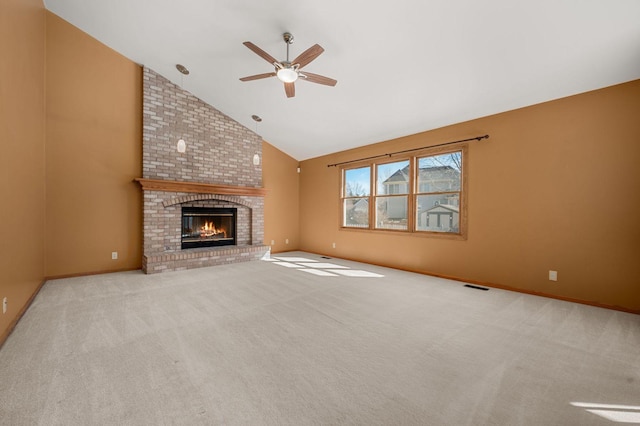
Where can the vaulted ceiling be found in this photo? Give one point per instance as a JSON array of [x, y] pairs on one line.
[[402, 67]]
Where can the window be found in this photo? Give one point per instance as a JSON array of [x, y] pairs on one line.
[[439, 188], [392, 195], [422, 194], [355, 197]]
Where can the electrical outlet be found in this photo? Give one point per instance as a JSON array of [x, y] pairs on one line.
[[114, 255], [4, 305], [273, 243], [286, 241], [553, 275], [334, 245]]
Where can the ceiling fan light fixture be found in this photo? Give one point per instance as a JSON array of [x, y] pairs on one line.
[[287, 75], [288, 71]]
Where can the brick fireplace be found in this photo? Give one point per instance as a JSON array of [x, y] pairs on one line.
[[216, 171]]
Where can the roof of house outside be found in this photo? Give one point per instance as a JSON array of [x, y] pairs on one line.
[[444, 207], [426, 173]]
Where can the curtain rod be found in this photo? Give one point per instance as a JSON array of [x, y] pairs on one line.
[[477, 138]]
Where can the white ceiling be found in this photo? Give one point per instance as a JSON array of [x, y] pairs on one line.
[[402, 67]]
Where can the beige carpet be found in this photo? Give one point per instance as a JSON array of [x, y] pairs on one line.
[[304, 340]]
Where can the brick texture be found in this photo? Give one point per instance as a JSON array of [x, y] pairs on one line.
[[219, 151]]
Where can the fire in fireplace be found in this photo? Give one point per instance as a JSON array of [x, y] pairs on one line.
[[208, 227]]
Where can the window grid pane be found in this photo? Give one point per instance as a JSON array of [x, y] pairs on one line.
[[440, 173], [438, 212], [357, 182], [393, 178], [391, 212], [355, 212]]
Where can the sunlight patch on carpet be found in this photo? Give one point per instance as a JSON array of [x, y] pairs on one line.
[[321, 269], [293, 259], [287, 264], [357, 273], [319, 272], [613, 412], [322, 265]]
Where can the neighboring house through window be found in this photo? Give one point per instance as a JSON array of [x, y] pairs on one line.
[[392, 195]]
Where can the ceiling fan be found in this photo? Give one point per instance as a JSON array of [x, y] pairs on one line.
[[289, 71]]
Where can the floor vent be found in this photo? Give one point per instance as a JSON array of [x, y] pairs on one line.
[[476, 287]]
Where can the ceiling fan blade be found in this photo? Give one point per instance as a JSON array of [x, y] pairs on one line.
[[308, 55], [320, 79], [264, 55], [258, 76], [290, 89]]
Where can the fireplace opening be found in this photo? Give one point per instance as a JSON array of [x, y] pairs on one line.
[[208, 227]]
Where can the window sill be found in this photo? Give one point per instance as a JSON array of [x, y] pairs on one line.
[[419, 234]]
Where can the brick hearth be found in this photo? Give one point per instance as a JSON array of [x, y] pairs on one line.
[[200, 257]]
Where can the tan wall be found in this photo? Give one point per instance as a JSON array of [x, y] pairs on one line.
[[281, 219], [22, 43], [556, 187], [94, 150]]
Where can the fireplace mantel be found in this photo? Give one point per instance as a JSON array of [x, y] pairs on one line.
[[201, 188]]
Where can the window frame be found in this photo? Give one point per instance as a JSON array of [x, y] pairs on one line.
[[412, 194], [377, 195], [344, 197]]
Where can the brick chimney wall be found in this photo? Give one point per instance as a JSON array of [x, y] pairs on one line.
[[219, 151]]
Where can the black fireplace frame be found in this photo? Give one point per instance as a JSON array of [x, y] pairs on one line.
[[211, 211]]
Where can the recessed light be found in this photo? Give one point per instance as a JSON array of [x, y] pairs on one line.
[[182, 69]]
